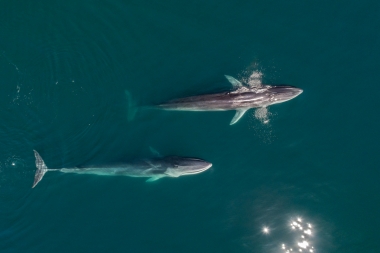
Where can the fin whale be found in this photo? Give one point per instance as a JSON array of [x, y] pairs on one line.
[[154, 169], [241, 98]]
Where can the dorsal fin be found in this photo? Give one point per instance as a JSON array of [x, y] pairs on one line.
[[235, 83]]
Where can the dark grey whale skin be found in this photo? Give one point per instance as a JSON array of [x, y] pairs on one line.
[[238, 99]]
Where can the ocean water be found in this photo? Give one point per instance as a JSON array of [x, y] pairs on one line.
[[301, 176]]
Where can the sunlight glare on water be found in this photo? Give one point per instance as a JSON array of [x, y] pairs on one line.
[[302, 237]]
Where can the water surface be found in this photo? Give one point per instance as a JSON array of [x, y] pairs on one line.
[[64, 66]]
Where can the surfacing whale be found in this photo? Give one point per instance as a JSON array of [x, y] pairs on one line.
[[169, 166], [241, 99]]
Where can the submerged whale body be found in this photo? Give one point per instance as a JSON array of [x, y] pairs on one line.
[[241, 99], [170, 166]]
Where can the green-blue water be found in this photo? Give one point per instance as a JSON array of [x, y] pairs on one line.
[[64, 66]]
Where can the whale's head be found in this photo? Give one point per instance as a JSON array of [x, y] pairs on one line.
[[279, 94], [181, 166]]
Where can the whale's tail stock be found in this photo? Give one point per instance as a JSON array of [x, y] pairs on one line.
[[41, 169]]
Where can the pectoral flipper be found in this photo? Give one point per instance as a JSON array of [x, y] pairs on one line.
[[238, 115]]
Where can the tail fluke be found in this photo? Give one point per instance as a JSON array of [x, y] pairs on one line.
[[41, 169], [132, 109]]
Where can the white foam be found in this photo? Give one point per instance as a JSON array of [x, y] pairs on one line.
[[262, 115], [255, 79]]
